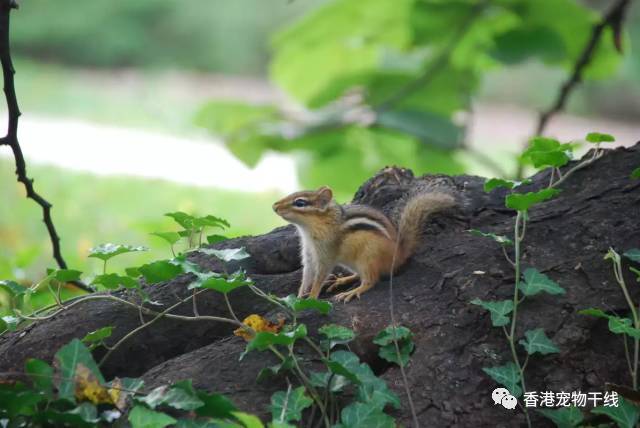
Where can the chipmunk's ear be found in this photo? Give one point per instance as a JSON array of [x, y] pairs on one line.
[[325, 194]]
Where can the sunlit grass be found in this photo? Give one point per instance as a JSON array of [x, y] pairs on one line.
[[90, 210]]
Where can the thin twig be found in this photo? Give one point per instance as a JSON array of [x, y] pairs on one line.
[[613, 18], [11, 138]]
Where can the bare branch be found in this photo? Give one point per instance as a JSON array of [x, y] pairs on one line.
[[11, 139]]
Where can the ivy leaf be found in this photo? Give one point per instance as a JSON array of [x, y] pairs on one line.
[[635, 173], [215, 405], [298, 305], [11, 322], [65, 275], [113, 281], [507, 375], [498, 309], [288, 405], [228, 254], [159, 271], [220, 283], [524, 201], [142, 417], [626, 414], [371, 389], [633, 254], [247, 420], [597, 137], [547, 152], [183, 219], [275, 370], [214, 239], [537, 341], [321, 380], [105, 252], [535, 282], [13, 288], [365, 415], [180, 396], [98, 335], [494, 183], [616, 324], [387, 351], [336, 335], [66, 361], [264, 339], [500, 239], [565, 417], [41, 374], [211, 221], [170, 237]]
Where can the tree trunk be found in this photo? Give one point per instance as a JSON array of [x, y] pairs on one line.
[[566, 238]]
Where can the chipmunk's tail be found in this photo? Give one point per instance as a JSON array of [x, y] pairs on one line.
[[413, 215]]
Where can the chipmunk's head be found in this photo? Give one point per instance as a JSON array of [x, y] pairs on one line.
[[302, 208]]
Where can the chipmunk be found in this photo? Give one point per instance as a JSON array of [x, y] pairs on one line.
[[359, 238]]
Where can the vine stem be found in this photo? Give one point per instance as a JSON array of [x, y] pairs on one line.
[[518, 237]]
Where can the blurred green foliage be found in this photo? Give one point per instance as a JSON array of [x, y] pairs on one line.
[[90, 210], [218, 35], [383, 82]]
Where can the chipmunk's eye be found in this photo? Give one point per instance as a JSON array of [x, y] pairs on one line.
[[300, 203]]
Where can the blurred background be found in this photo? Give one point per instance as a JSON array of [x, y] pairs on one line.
[[132, 109]]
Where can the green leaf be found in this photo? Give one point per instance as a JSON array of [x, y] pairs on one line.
[[288, 405], [494, 183], [215, 405], [597, 137], [565, 417], [528, 41], [11, 322], [535, 282], [220, 283], [183, 219], [626, 414], [298, 305], [66, 361], [160, 271], [41, 375], [616, 324], [180, 396], [371, 389], [547, 152], [142, 417], [13, 288], [537, 341], [498, 309], [170, 237], [387, 351], [113, 281], [275, 370], [434, 129], [98, 335], [263, 339], [633, 254], [321, 380], [228, 254], [508, 376], [524, 201], [107, 251], [210, 221], [635, 173], [337, 332], [65, 275], [249, 421], [500, 239], [365, 415], [214, 239]]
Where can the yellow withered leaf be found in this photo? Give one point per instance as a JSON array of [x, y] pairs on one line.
[[88, 388], [258, 324]]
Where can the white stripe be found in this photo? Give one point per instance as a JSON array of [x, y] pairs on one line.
[[364, 220]]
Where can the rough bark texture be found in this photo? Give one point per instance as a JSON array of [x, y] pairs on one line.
[[566, 239]]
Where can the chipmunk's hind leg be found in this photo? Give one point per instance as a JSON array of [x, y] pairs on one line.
[[336, 282]]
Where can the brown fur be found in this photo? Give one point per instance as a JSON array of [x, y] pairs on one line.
[[358, 237]]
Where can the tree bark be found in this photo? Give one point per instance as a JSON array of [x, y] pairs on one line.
[[566, 239]]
